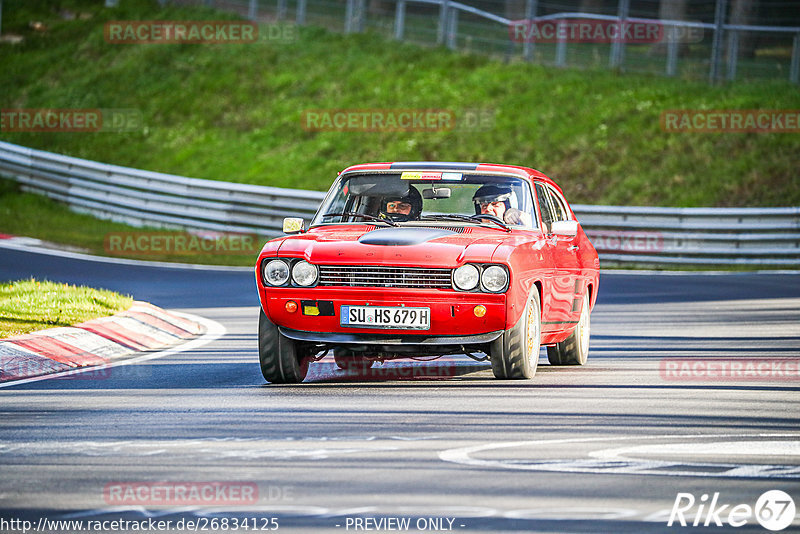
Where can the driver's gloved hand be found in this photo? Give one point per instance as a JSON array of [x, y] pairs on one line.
[[513, 216]]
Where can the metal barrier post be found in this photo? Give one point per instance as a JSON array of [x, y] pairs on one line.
[[442, 29], [794, 71], [207, 3], [1, 17], [452, 29], [400, 20], [561, 46], [280, 12], [348, 16], [672, 50], [361, 15], [531, 7], [716, 45], [618, 46], [733, 54], [300, 17], [252, 12]]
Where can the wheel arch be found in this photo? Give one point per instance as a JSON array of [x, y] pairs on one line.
[[590, 290], [538, 285]]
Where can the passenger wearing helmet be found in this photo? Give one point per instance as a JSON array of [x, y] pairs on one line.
[[500, 201], [405, 208]]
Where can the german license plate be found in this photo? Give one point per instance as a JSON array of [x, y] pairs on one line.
[[385, 317]]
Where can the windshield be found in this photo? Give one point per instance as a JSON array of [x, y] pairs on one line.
[[418, 198]]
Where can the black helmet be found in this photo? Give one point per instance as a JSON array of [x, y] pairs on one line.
[[493, 193], [412, 197]]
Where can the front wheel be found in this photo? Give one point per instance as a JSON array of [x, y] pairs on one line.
[[575, 349], [281, 361], [515, 354]]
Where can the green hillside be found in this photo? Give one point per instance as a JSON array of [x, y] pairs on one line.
[[234, 111]]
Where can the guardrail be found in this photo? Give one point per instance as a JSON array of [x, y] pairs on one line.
[[622, 235], [144, 198]]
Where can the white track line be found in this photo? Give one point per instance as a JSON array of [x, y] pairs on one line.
[[463, 456]]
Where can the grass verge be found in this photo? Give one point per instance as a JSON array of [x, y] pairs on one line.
[[30, 305]]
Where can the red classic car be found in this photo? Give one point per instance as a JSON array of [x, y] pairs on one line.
[[429, 259]]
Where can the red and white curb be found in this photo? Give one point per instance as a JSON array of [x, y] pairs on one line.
[[143, 327]]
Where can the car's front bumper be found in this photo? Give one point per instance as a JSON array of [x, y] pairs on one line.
[[388, 339], [453, 313]]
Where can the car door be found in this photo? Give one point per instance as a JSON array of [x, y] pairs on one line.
[[567, 268], [554, 304], [557, 309]]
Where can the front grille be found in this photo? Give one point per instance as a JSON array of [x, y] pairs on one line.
[[375, 276]]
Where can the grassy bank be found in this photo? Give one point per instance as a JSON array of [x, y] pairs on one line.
[[234, 111], [29, 305]]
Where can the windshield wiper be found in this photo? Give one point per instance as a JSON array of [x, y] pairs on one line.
[[468, 218], [362, 215]]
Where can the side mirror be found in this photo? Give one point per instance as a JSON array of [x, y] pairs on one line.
[[565, 228], [293, 225]]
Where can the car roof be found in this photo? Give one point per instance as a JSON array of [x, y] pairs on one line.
[[525, 173]]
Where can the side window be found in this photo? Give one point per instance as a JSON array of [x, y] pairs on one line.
[[544, 207], [560, 211]]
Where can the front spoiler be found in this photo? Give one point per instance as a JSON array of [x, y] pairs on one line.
[[387, 339]]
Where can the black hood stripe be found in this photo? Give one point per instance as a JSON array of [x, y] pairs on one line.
[[401, 237]]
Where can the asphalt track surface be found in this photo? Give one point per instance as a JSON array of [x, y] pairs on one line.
[[602, 448]]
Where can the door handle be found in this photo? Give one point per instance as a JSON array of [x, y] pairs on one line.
[[573, 247]]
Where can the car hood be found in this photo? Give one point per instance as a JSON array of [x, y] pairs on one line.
[[407, 246]]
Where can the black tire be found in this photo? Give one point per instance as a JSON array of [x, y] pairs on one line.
[[347, 359], [515, 354], [575, 349], [281, 361]]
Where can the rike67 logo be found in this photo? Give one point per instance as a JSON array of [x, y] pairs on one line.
[[774, 510]]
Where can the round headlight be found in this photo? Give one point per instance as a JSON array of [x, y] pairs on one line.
[[466, 277], [304, 274], [276, 272], [494, 278]]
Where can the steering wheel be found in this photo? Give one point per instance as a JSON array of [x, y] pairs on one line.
[[489, 216]]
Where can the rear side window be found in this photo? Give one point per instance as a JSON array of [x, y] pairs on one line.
[[545, 207], [560, 211]]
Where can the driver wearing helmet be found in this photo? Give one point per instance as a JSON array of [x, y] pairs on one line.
[[405, 208], [500, 201]]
